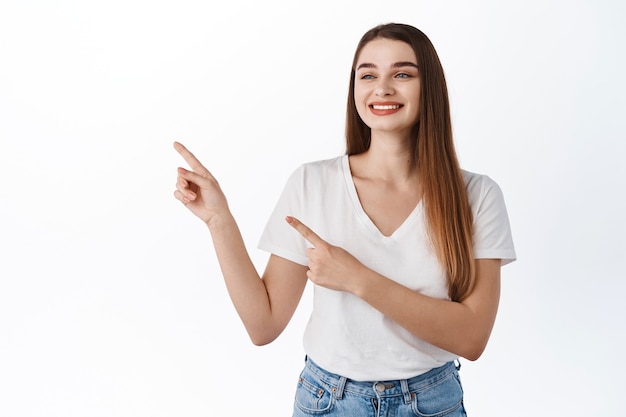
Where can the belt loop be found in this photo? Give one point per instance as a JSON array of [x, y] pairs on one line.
[[341, 387], [405, 390], [457, 365]]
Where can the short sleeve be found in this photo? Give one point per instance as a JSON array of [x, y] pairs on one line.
[[278, 237], [492, 231]]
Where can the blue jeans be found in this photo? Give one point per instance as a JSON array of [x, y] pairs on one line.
[[436, 393]]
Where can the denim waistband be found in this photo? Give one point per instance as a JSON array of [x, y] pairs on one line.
[[401, 387]]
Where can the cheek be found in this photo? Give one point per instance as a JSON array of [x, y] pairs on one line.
[[361, 108], [417, 109], [360, 95], [417, 105]]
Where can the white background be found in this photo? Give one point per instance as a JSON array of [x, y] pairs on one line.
[[111, 300]]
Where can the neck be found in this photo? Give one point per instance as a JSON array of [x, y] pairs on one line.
[[391, 157]]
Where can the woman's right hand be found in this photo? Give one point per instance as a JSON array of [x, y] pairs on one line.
[[265, 305], [197, 189]]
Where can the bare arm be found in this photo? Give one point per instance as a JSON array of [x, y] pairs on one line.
[[458, 327], [265, 305], [462, 328]]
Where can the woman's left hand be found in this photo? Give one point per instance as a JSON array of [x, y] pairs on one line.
[[329, 266]]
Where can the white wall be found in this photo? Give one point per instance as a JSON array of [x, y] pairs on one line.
[[111, 300]]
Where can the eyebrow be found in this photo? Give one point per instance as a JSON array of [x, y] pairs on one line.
[[395, 65]]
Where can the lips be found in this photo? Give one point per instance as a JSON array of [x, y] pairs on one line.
[[383, 109]]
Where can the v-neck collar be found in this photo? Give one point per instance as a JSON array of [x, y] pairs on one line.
[[365, 219]]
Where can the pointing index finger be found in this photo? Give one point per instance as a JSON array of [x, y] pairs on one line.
[[191, 159], [306, 233]]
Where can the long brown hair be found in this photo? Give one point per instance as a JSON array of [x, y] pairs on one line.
[[447, 208]]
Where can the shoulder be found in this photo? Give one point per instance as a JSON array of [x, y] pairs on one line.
[[485, 197], [484, 194], [316, 175], [319, 170], [479, 186], [492, 231], [324, 164]]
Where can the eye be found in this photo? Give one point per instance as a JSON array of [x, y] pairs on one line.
[[367, 76], [403, 75]]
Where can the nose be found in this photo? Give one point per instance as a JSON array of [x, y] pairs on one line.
[[383, 88]]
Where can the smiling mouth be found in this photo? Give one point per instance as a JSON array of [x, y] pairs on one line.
[[385, 106]]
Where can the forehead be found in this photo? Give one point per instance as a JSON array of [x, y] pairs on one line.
[[386, 52]]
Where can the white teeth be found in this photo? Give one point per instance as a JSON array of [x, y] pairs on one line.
[[385, 107]]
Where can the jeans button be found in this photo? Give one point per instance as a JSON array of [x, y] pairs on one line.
[[380, 387]]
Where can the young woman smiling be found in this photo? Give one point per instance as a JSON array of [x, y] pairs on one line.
[[403, 247]]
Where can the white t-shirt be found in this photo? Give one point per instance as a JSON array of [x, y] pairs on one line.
[[345, 335]]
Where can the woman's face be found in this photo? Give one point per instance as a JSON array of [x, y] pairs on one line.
[[387, 86]]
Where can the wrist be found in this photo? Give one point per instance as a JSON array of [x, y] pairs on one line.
[[218, 221], [366, 282]]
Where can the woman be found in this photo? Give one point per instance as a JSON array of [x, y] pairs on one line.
[[404, 248]]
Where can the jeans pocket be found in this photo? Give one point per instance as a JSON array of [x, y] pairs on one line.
[[312, 396], [440, 399]]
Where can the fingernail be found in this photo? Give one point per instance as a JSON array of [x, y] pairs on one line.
[[289, 219]]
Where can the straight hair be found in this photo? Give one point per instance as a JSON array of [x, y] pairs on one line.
[[447, 209]]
